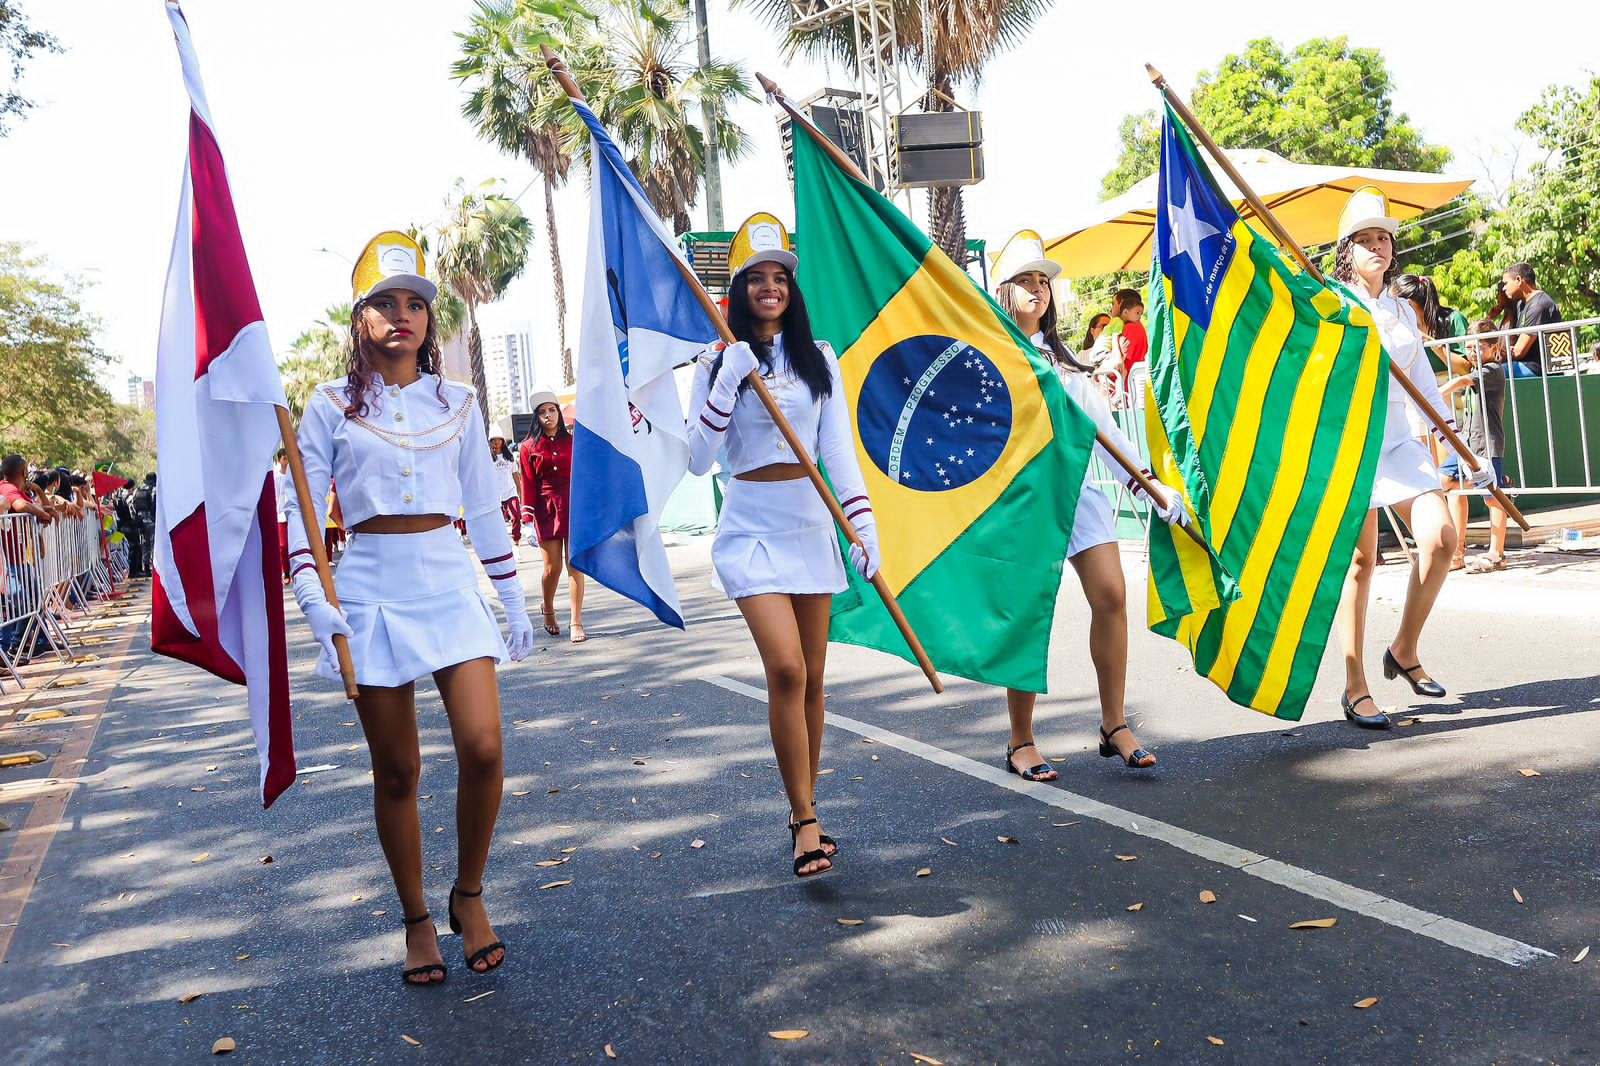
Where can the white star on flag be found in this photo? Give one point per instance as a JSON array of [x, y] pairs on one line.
[[1187, 230]]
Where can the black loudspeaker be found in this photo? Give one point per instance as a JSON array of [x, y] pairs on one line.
[[939, 148], [928, 168], [939, 129], [845, 127]]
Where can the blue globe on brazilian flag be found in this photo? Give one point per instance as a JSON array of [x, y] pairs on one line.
[[972, 452]]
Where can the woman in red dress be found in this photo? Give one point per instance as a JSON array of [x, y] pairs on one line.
[[546, 460]]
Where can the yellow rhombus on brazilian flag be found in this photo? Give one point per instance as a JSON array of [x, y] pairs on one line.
[[972, 452], [1268, 393]]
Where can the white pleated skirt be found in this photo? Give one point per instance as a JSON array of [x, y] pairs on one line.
[[413, 601], [776, 536], [1094, 522], [1405, 471]]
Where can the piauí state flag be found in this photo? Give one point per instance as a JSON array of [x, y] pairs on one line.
[[972, 451], [629, 448], [1268, 391], [218, 594]]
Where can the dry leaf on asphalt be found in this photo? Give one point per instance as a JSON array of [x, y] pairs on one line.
[[1215, 1040], [1207, 896], [1580, 956], [190, 997], [789, 1034], [1135, 906], [925, 872], [1363, 1004], [551, 791], [523, 793], [413, 1041], [1127, 858], [1529, 773], [822, 773], [610, 1052], [557, 884], [655, 855], [1008, 840], [697, 843], [240, 958], [850, 921], [379, 914], [551, 862], [480, 995], [223, 1046], [202, 857], [1316, 923], [1517, 896], [952, 843], [1063, 825], [265, 860], [924, 1059], [568, 851]]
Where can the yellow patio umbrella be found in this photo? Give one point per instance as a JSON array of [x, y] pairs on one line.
[[1306, 198]]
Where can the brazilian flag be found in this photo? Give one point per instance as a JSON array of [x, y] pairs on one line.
[[1268, 391], [972, 452]]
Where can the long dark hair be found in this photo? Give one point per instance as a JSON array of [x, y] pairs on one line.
[[1433, 315], [809, 364], [1344, 261], [538, 433], [1047, 325], [358, 365], [1088, 333]]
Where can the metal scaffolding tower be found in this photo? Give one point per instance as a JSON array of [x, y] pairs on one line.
[[877, 76]]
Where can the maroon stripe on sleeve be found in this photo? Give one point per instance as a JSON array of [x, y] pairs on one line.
[[302, 566], [712, 425], [853, 515], [853, 499], [502, 577], [497, 559], [713, 407], [300, 551]]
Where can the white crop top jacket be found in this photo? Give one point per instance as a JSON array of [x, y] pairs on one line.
[[1402, 339], [724, 414], [409, 454]]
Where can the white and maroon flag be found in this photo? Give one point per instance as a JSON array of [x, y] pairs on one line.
[[218, 586]]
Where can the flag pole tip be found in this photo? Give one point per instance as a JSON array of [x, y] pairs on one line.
[[769, 87], [1156, 76]]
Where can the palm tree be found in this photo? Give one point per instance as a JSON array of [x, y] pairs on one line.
[[958, 40], [483, 246], [317, 355], [509, 101]]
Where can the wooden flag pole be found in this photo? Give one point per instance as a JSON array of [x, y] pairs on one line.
[[848, 165], [319, 554], [1281, 235], [563, 76]]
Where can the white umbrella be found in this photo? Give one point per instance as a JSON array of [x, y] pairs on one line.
[[1306, 198]]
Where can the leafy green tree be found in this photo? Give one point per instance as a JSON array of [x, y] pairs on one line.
[[1323, 102], [18, 42], [317, 355], [52, 405], [483, 246]]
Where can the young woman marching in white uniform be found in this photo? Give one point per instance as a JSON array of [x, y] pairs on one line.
[[1407, 478], [776, 552], [1025, 295], [408, 450]]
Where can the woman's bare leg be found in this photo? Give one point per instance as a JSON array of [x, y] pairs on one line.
[[389, 719], [1100, 572], [812, 615], [472, 700], [1351, 619], [549, 577], [574, 591], [1429, 522], [1019, 709]]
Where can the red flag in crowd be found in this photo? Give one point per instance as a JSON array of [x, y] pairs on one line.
[[218, 596]]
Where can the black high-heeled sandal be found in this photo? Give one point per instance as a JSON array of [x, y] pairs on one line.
[[1135, 761], [430, 968], [1392, 667], [482, 954], [805, 858], [1380, 720], [822, 838], [1031, 773]]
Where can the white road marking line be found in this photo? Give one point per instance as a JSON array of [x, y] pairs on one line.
[[1308, 883]]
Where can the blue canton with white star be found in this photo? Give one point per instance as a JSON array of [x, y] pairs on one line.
[[1194, 226], [934, 413]]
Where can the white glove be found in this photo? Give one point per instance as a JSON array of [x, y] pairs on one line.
[[1482, 474], [326, 621], [1168, 506], [737, 361], [864, 559], [519, 639]]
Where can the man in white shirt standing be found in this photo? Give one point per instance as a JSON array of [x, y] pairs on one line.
[[283, 484]]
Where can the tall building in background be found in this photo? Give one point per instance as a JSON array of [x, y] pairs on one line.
[[148, 396], [135, 390], [508, 367]]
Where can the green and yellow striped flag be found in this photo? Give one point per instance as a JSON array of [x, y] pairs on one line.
[[1267, 404], [972, 452]]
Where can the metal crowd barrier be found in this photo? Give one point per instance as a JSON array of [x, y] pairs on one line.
[[48, 572]]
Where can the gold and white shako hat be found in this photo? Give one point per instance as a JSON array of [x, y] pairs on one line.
[[761, 238], [391, 260], [1367, 208], [1022, 253]]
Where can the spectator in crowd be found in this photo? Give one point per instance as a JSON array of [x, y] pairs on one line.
[[1538, 309], [283, 485], [508, 476], [1091, 336], [1131, 342], [144, 509], [333, 532], [13, 482], [1438, 322], [1484, 432], [122, 505]]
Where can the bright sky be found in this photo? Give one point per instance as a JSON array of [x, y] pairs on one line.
[[338, 118]]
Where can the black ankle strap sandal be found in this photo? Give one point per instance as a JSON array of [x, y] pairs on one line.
[[482, 954], [806, 858], [1031, 773], [1139, 759], [428, 970]]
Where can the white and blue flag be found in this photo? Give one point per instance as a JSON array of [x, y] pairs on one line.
[[640, 320]]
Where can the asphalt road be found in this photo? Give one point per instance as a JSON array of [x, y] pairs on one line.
[[641, 759]]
